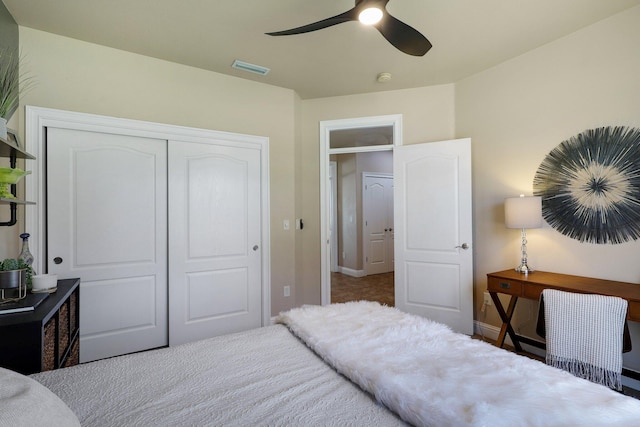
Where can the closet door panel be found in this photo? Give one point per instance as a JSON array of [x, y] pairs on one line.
[[217, 200], [214, 240], [107, 225]]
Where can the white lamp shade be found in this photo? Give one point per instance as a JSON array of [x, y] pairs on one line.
[[523, 212]]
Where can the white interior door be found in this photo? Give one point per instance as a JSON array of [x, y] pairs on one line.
[[106, 222], [215, 280], [377, 204], [433, 240]]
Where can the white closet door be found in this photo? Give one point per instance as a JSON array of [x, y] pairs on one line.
[[214, 240], [106, 222]]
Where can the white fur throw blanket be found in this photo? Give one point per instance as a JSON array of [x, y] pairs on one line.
[[584, 335], [431, 376]]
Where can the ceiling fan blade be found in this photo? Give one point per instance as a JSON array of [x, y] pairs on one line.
[[350, 15], [406, 38]]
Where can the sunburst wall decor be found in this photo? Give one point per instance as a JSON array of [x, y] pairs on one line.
[[590, 186]]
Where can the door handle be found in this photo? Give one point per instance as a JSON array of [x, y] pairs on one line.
[[57, 260], [255, 248], [463, 246]]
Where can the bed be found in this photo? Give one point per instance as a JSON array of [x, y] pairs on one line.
[[356, 364]]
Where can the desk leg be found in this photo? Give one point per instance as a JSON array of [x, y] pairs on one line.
[[506, 321]]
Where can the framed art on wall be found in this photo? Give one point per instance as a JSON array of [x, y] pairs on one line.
[[590, 186]]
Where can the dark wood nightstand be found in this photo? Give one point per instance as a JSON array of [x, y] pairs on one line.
[[46, 338]]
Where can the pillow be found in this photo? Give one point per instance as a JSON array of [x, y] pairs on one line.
[[26, 402]]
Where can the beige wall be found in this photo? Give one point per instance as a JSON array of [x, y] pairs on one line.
[[428, 115], [78, 76], [516, 113]]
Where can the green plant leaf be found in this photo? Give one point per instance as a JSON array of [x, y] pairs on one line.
[[12, 83]]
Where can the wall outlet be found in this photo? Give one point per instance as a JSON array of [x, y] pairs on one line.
[[287, 291], [487, 299]]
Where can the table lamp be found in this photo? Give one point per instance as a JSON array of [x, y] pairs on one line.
[[523, 212]]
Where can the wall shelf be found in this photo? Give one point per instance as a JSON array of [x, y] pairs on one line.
[[16, 201], [8, 149], [13, 152]]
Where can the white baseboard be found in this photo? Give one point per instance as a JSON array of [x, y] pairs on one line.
[[492, 332], [351, 272], [631, 383]]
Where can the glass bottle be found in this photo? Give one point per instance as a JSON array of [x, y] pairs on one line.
[[25, 253]]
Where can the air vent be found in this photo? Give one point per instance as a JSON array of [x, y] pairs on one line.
[[252, 68]]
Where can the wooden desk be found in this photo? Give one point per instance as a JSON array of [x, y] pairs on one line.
[[530, 286]]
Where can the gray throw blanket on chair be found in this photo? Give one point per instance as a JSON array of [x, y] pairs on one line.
[[584, 335]]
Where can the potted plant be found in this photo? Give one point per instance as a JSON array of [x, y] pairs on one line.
[[14, 273], [10, 86]]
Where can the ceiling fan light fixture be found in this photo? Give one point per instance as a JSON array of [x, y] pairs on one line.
[[370, 16], [372, 13]]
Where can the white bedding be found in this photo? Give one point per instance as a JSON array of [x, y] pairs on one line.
[[27, 403], [256, 378], [267, 377], [432, 376]]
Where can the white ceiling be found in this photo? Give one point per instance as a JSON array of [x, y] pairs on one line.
[[468, 36]]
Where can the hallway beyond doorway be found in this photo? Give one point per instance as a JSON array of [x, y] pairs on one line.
[[376, 287]]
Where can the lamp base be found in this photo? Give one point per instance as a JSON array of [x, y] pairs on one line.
[[524, 269]]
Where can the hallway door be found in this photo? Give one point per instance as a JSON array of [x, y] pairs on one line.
[[377, 215]]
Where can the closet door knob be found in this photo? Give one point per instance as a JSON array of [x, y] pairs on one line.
[[255, 247], [57, 260]]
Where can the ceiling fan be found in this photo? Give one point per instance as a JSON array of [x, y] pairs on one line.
[[372, 12]]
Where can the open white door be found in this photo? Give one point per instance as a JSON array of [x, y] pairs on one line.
[[433, 239]]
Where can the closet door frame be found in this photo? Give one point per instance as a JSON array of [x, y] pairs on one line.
[[38, 119]]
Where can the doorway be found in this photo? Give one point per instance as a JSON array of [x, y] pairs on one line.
[[363, 227], [343, 141], [433, 273]]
